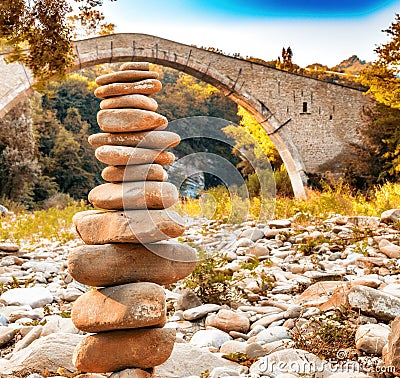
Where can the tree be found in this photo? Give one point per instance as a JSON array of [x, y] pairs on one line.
[[76, 91], [251, 141], [382, 77], [285, 62], [377, 159], [39, 32], [19, 167]]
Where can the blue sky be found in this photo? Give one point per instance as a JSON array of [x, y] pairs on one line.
[[323, 31]]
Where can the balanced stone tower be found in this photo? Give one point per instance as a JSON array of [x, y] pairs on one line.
[[126, 256]]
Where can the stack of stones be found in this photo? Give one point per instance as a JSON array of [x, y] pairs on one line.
[[127, 255]]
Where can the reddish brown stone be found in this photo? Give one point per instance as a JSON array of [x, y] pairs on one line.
[[143, 139], [122, 155], [115, 264], [134, 195], [130, 101], [131, 226], [135, 305], [140, 66], [149, 172], [126, 120], [146, 87], [126, 76], [117, 350]]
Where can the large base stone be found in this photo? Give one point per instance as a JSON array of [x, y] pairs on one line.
[[131, 226], [149, 172], [115, 264], [128, 306], [118, 350], [134, 195]]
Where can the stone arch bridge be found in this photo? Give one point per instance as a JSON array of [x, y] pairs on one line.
[[311, 122]]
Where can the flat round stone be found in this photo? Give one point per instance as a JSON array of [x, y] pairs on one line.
[[145, 87], [130, 101], [125, 120], [130, 226], [140, 66], [115, 264], [126, 76], [117, 350], [134, 195], [143, 172], [144, 139], [121, 155], [135, 305]]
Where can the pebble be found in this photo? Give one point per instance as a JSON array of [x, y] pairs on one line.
[[200, 311], [210, 338], [9, 247], [227, 320]]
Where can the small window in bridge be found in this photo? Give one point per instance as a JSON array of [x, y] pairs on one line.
[[305, 107], [331, 117]]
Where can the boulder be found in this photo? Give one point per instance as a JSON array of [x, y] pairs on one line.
[[374, 302], [46, 354], [188, 360], [114, 264], [392, 355], [134, 305], [227, 321], [391, 250], [187, 299], [33, 296], [134, 195], [390, 216], [371, 338], [131, 226], [140, 348]]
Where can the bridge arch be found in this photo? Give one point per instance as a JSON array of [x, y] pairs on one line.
[[292, 109]]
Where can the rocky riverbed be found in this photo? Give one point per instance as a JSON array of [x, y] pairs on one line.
[[304, 298]]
